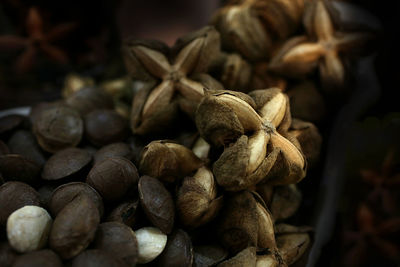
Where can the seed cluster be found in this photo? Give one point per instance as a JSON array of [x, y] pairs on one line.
[[200, 170]]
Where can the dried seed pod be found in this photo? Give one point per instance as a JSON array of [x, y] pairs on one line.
[[238, 226], [267, 261], [245, 163], [96, 258], [119, 240], [292, 242], [265, 236], [157, 203], [236, 73], [58, 127], [178, 251], [151, 242], [168, 161], [113, 150], [28, 228], [89, 99], [74, 227], [66, 193], [113, 177], [41, 258], [66, 163], [103, 127], [208, 255], [309, 138], [306, 102], [266, 192], [124, 213], [241, 30], [197, 201], [285, 201], [273, 106], [24, 143], [155, 105], [224, 116], [15, 167], [15, 195], [246, 257]]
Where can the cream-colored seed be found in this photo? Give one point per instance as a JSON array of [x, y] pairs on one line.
[[151, 242], [28, 228]]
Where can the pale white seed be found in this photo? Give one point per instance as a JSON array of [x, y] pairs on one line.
[[151, 242]]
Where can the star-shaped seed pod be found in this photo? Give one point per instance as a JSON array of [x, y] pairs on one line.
[[251, 27], [252, 144], [169, 76], [197, 202], [324, 47], [168, 161]]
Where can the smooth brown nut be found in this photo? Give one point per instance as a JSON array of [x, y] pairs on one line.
[[66, 163], [125, 213], [7, 254], [112, 178], [9, 123], [74, 227], [88, 99], [57, 128], [103, 127], [209, 255], [65, 193], [15, 167], [113, 150], [28, 228], [15, 195], [119, 240], [96, 258], [157, 203], [40, 258], [23, 142], [178, 251]]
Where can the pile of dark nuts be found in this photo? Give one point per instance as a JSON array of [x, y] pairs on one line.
[[188, 173]]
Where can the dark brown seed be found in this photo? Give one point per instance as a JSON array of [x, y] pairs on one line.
[[96, 258], [15, 195], [23, 142], [113, 150], [157, 203], [113, 177], [65, 193], [124, 213], [103, 127], [7, 255], [74, 227], [57, 128], [10, 122], [119, 240], [207, 256], [41, 258], [88, 99], [18, 168], [37, 109], [4, 148], [178, 251], [65, 163]]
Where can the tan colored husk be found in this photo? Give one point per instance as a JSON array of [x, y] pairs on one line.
[[168, 161], [285, 201], [238, 225], [197, 201], [266, 261], [245, 258]]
